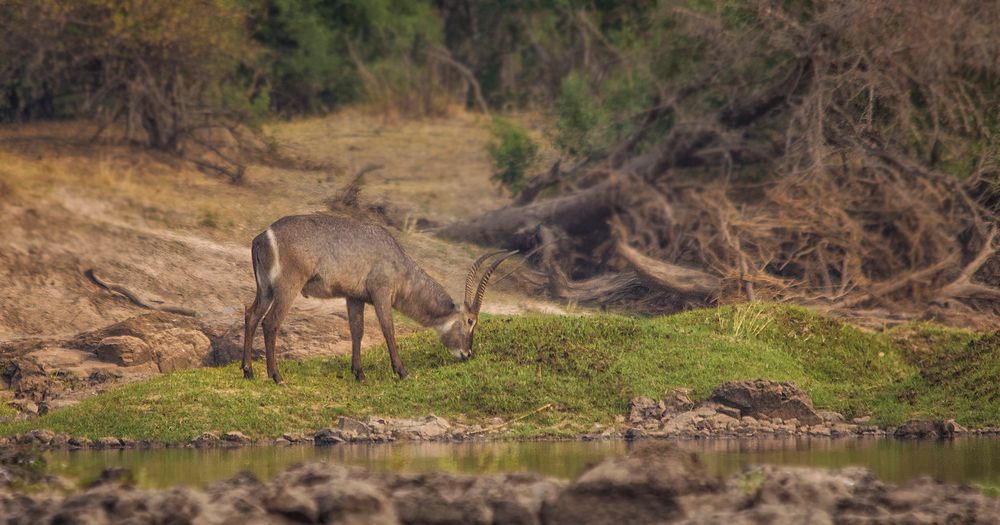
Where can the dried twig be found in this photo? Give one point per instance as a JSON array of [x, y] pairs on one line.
[[507, 423], [134, 298]]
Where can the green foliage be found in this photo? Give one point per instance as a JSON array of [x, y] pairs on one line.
[[588, 367], [163, 67], [577, 116], [513, 151], [325, 53]]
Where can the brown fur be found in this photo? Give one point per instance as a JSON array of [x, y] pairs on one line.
[[328, 256]]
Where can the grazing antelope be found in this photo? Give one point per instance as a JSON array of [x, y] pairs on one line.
[[325, 256]]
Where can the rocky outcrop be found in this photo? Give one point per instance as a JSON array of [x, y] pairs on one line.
[[737, 409], [172, 342], [45, 374], [644, 487], [655, 484], [767, 398], [926, 429]]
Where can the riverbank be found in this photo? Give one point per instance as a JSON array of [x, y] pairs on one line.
[[652, 484], [735, 410], [547, 376], [567, 376]]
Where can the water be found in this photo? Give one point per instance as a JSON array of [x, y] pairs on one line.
[[969, 460]]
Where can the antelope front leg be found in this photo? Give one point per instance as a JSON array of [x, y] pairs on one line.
[[383, 309], [356, 321]]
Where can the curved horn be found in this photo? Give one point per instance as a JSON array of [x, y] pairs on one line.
[[477, 302], [471, 278]]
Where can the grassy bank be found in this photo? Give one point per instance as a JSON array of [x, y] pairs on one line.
[[588, 367]]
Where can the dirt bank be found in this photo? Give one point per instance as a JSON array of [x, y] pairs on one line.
[[655, 484], [176, 236]]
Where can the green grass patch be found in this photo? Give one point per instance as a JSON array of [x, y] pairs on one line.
[[587, 367]]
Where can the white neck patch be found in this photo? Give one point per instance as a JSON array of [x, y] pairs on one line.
[[445, 327]]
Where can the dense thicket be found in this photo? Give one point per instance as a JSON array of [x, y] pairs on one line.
[[835, 152], [163, 68], [831, 152]]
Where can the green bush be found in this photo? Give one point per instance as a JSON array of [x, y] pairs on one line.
[[514, 153], [325, 53]]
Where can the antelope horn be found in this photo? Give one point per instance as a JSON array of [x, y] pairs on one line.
[[470, 280], [477, 302]]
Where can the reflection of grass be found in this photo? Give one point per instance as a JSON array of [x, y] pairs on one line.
[[588, 367], [988, 489]]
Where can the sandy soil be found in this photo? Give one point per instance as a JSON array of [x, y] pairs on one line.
[[172, 233]]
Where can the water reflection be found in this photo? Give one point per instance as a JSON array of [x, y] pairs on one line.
[[971, 460]]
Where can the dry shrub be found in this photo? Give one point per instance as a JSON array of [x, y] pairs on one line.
[[836, 153]]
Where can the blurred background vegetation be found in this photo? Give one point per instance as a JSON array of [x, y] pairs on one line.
[[841, 152]]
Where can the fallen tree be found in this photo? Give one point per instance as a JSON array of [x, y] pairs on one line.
[[832, 154]]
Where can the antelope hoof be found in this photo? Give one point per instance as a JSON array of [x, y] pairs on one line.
[[248, 373], [359, 375], [278, 380], [403, 374]]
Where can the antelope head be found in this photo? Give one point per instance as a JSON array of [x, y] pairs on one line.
[[457, 332]]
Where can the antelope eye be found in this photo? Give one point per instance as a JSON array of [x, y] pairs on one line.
[[471, 322]]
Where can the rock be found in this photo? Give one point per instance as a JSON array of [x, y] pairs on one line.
[[377, 425], [172, 342], [923, 429], [955, 427], [236, 437], [111, 503], [718, 423], [124, 350], [677, 401], [643, 487], [829, 416], [329, 436], [79, 442], [40, 436], [798, 495], [861, 420], [46, 406], [657, 483], [683, 423], [486, 500], [634, 433], [819, 430], [767, 398], [127, 442], [728, 411], [108, 442], [206, 439], [843, 429], [59, 439], [293, 437], [430, 427], [25, 406], [281, 442], [354, 428], [323, 493], [179, 348], [644, 408]]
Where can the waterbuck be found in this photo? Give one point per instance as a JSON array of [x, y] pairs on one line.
[[326, 256]]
